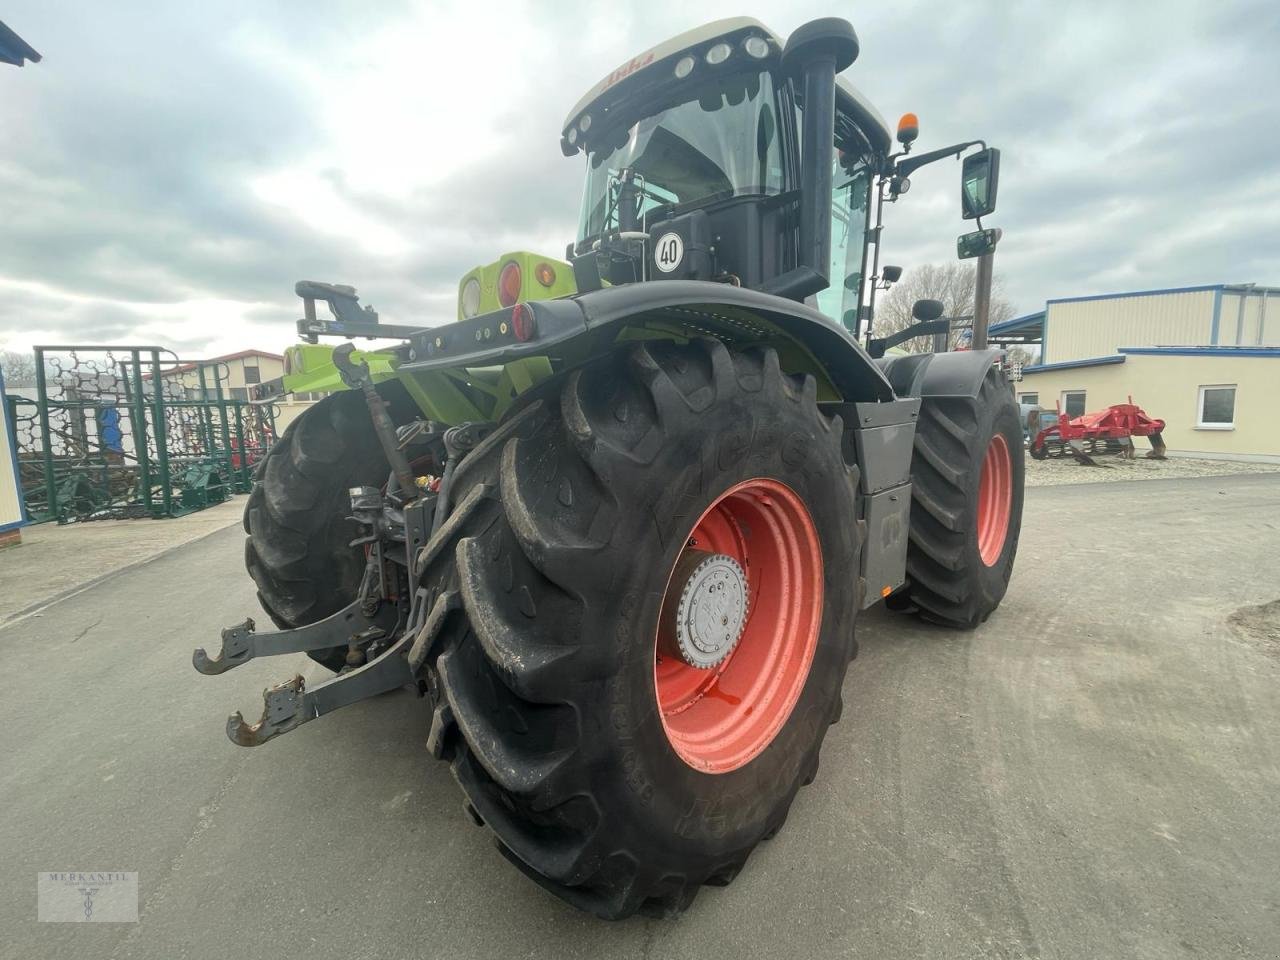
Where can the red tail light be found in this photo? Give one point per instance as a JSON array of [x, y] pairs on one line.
[[523, 323], [509, 284]]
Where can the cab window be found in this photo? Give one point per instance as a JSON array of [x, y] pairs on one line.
[[849, 197]]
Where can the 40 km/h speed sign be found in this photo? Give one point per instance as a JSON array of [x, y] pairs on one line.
[[668, 252]]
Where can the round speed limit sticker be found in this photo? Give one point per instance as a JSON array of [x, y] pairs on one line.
[[668, 252]]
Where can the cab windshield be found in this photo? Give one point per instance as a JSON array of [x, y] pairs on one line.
[[722, 142]]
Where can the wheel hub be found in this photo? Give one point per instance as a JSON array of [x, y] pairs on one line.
[[705, 609]]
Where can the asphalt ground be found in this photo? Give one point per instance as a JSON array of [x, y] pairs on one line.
[[1094, 773]]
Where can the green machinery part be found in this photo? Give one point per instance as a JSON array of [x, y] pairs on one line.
[[202, 486]]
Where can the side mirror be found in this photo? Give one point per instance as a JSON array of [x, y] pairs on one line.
[[978, 181], [927, 310], [977, 243]]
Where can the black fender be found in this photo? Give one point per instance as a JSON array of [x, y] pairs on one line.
[[720, 310], [956, 374]]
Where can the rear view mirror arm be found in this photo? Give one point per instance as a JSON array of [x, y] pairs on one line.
[[905, 166]]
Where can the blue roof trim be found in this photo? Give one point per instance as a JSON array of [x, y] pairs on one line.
[[1201, 352], [1139, 293], [1030, 320], [1069, 364]]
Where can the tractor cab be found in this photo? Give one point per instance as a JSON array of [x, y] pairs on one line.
[[731, 155], [697, 167]]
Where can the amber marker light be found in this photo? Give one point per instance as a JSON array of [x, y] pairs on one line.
[[908, 129]]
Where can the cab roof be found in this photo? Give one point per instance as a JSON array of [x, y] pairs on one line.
[[848, 99]]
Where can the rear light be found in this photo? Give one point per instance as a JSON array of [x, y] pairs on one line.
[[471, 298], [545, 273], [509, 284], [523, 323]]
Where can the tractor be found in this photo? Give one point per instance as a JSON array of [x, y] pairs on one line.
[[617, 520]]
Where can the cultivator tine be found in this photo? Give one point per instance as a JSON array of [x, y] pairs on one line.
[[240, 643], [1077, 451], [290, 704], [1157, 451]]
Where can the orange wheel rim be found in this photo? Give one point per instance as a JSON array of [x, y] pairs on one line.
[[720, 718], [995, 500]]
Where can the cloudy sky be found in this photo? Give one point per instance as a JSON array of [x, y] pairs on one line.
[[169, 170]]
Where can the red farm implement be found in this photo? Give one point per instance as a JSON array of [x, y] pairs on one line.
[[1106, 431]]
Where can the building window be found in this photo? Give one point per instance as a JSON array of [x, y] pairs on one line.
[[1217, 407], [239, 393], [1073, 403], [1030, 398], [251, 374]]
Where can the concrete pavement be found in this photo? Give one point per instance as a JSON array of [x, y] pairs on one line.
[[55, 560], [1095, 773]]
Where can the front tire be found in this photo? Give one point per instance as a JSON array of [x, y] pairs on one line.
[[966, 513], [568, 523]]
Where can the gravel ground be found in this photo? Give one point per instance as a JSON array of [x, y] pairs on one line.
[[1054, 471]]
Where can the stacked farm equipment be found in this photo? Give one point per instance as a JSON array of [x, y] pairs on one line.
[[121, 432], [616, 522]]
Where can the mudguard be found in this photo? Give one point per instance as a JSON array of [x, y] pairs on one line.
[[957, 374], [715, 309]]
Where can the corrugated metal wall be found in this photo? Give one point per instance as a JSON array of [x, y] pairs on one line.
[[1249, 319], [1083, 329]]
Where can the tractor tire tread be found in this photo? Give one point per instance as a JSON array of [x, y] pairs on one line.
[[533, 563], [943, 584]]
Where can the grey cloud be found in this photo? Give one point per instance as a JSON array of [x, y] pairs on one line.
[[1139, 145]]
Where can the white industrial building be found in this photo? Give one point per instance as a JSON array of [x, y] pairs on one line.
[[1204, 359]]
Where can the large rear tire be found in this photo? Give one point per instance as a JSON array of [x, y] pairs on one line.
[[298, 550], [602, 777], [966, 514]]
